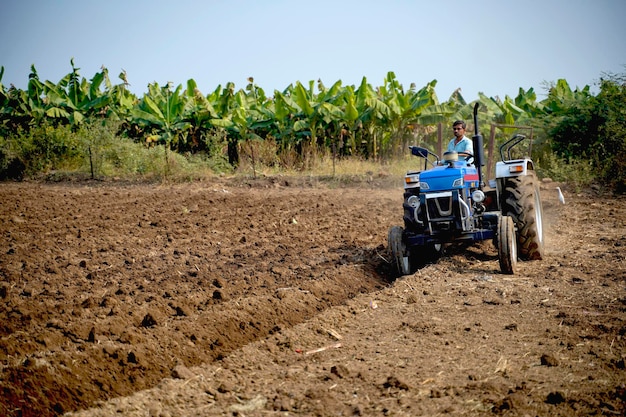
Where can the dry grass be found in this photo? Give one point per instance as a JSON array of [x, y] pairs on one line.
[[317, 165]]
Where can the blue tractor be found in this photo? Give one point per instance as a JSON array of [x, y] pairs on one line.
[[448, 202]]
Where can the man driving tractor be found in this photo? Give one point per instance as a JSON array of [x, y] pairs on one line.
[[460, 143]]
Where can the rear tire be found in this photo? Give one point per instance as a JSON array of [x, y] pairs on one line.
[[507, 245], [398, 250], [522, 202]]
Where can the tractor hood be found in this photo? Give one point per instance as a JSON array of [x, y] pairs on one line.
[[448, 177]]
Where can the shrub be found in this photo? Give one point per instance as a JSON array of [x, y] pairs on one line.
[[578, 172]]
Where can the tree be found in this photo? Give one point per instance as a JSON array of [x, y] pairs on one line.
[[592, 127], [610, 149]]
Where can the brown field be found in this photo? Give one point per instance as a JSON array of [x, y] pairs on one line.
[[275, 297]]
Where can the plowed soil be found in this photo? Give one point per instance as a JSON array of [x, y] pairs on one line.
[[276, 297]]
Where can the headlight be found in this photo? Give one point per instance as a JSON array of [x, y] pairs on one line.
[[458, 182], [478, 196], [413, 201], [412, 178], [424, 186]]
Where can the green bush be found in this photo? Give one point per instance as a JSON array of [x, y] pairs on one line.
[[95, 150], [41, 149], [594, 130], [113, 156], [578, 172]]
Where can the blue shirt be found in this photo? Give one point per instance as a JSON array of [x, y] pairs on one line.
[[464, 145]]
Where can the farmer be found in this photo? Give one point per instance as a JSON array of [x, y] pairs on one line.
[[460, 143]]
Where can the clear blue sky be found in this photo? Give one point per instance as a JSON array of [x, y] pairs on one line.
[[489, 46]]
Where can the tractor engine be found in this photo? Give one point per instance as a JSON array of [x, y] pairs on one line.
[[445, 200]]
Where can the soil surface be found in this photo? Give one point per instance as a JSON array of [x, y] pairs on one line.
[[276, 297]]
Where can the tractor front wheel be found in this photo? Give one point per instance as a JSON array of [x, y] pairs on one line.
[[399, 254], [507, 245]]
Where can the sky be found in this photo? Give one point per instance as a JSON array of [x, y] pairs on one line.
[[494, 47]]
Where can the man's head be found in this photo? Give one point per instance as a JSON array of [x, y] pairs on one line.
[[458, 128]]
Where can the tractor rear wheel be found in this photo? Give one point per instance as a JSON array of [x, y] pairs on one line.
[[507, 245], [398, 250], [521, 201]]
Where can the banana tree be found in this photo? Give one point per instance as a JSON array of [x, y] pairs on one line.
[[339, 117], [33, 103], [284, 109], [120, 99], [200, 113], [348, 116], [224, 103], [373, 114], [568, 114], [162, 113], [404, 109], [251, 117], [316, 110], [561, 97], [73, 99], [22, 109], [309, 120], [527, 101]]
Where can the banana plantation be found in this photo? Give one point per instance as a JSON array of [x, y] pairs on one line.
[[374, 123]]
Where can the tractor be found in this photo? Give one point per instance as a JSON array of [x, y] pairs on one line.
[[448, 202]]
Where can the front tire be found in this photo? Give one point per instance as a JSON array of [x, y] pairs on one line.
[[398, 250], [522, 202], [507, 245]]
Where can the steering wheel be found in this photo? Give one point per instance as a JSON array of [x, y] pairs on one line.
[[468, 156]]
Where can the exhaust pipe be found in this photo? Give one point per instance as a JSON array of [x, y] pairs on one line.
[[477, 141]]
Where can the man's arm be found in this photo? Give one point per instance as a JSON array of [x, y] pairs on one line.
[[468, 149]]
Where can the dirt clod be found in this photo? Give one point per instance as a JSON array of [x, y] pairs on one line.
[[549, 360]]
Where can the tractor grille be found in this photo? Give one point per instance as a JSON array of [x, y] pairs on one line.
[[439, 206], [440, 213]]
